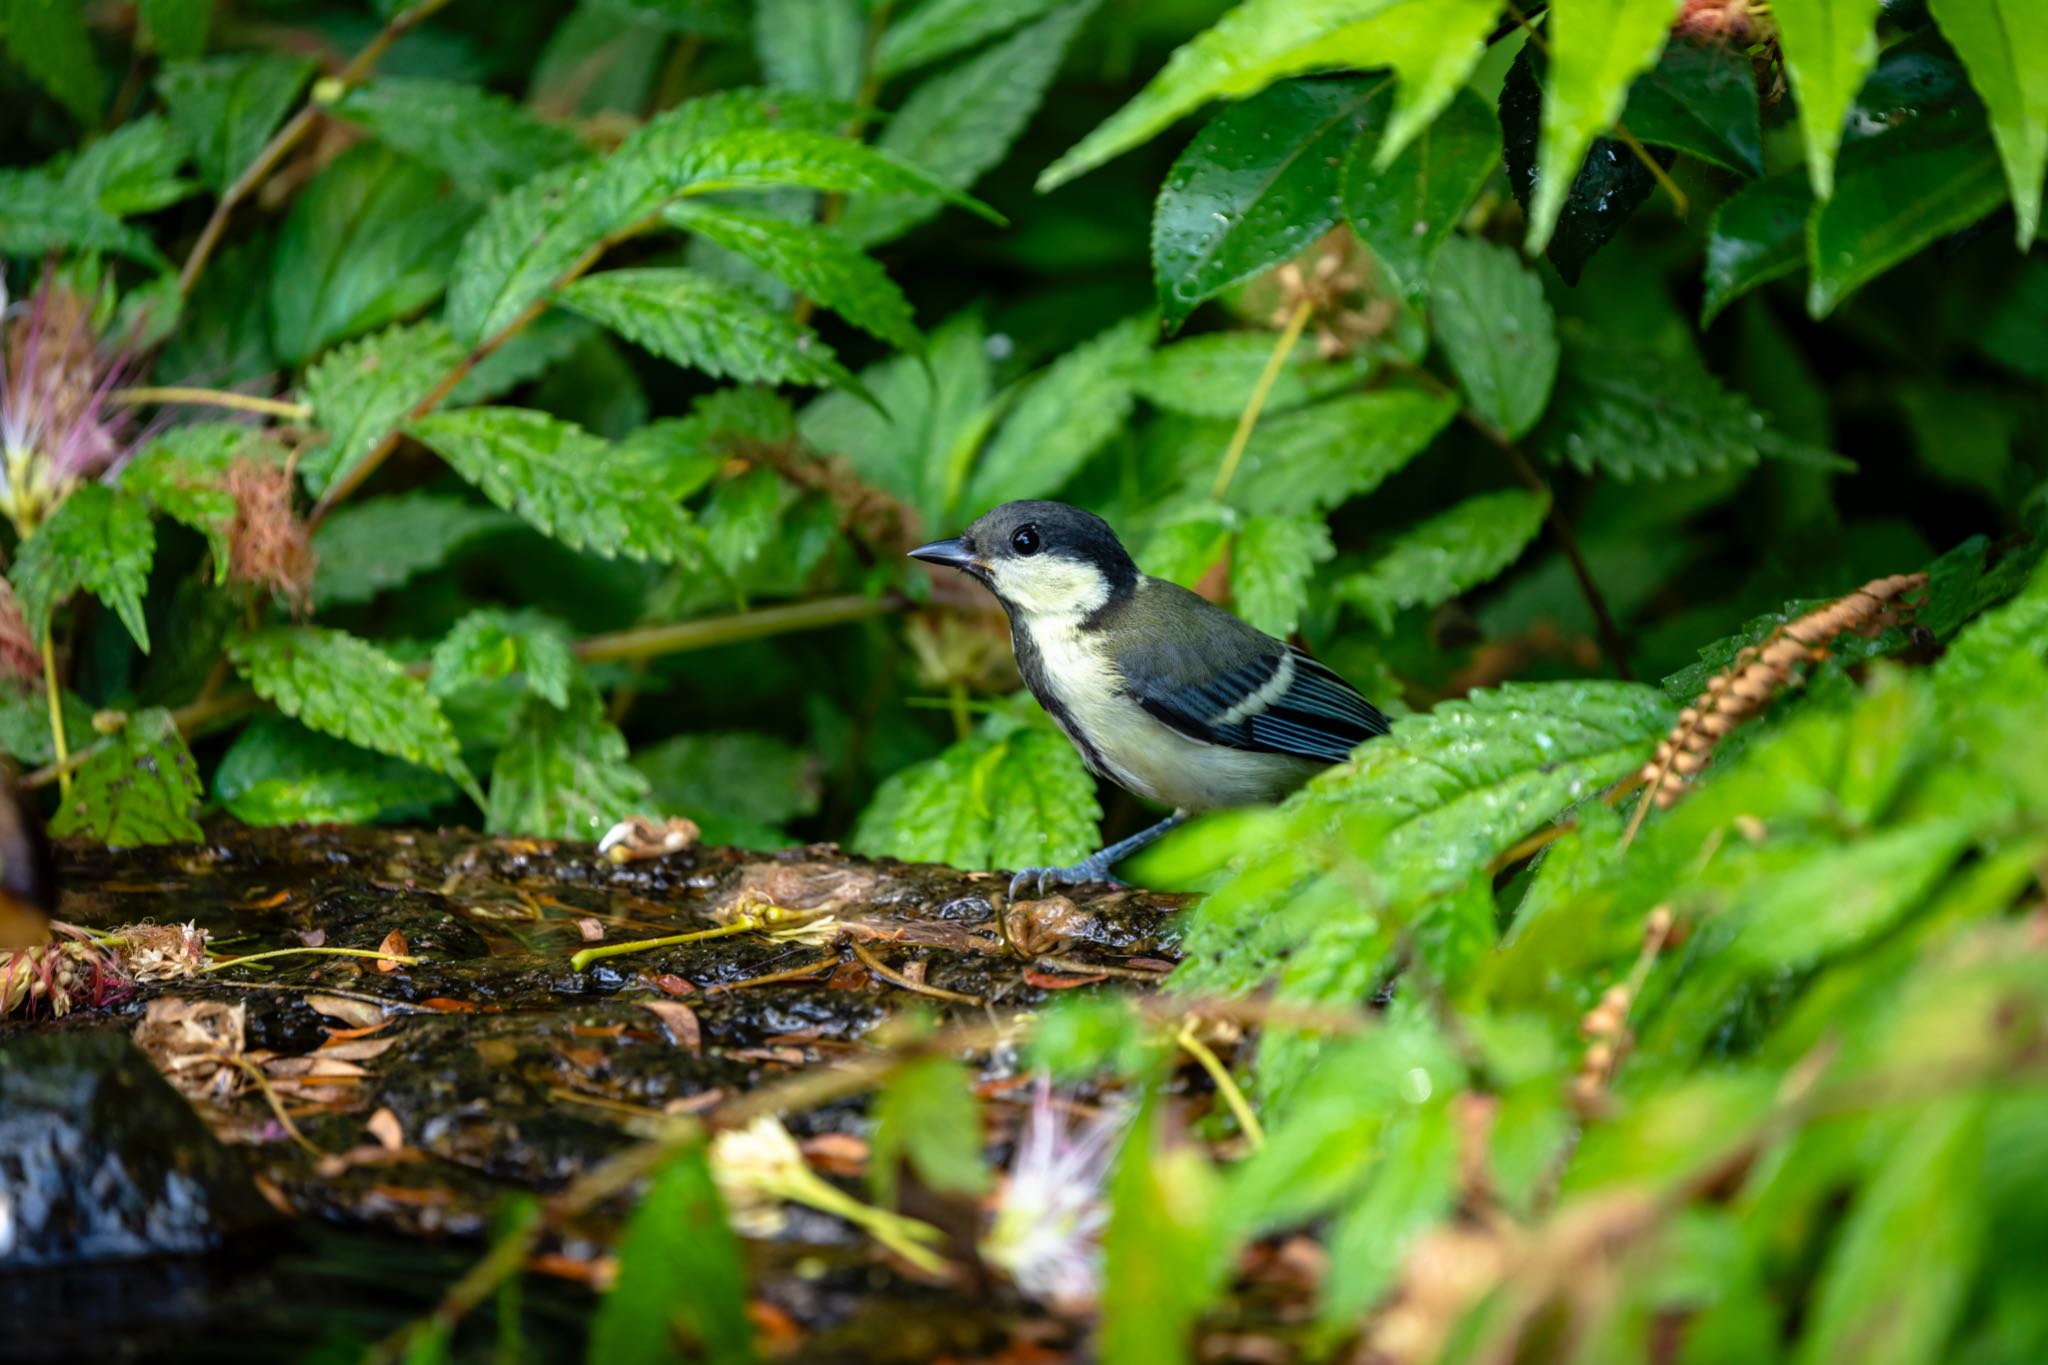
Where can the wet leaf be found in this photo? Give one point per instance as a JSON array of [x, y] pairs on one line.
[[1700, 98], [280, 773], [1066, 415], [2004, 46], [927, 1116], [142, 787], [1404, 210], [1271, 565], [1497, 330], [362, 391], [1829, 46], [491, 643], [1213, 375], [811, 45], [1450, 553], [229, 106], [564, 773], [696, 321], [370, 547], [679, 1021], [1758, 235], [48, 39]]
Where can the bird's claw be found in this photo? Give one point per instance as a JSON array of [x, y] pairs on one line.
[[1080, 874]]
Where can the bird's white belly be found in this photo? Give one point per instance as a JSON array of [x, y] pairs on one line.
[[1142, 753]]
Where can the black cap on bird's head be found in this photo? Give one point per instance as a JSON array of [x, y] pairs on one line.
[[1039, 556]]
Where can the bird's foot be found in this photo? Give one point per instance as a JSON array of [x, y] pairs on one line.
[[1093, 869]]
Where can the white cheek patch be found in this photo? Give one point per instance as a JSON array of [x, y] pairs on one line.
[[1050, 586]]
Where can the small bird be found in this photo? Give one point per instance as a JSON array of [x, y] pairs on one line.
[[1163, 692]]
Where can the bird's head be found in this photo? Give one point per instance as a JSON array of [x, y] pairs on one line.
[[1040, 558]]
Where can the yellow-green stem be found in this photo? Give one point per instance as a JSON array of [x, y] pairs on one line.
[[583, 959], [1249, 418], [216, 398], [400, 958], [57, 737], [1240, 1108]]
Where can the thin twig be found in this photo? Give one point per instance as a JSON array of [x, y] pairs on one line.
[[770, 978], [321, 952], [290, 135], [217, 398], [896, 978], [255, 1073], [767, 923], [1226, 1086], [1246, 420], [187, 719], [654, 641]]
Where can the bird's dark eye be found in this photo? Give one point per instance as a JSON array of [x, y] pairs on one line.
[[1025, 540]]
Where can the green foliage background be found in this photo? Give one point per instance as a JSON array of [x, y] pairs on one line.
[[618, 350]]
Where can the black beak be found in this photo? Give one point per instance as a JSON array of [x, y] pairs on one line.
[[953, 554]]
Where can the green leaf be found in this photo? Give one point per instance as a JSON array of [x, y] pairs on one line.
[[1068, 413], [1497, 331], [1758, 234], [1314, 458], [927, 1115], [1213, 375], [1256, 187], [133, 169], [1414, 1186], [2004, 46], [1451, 553], [1597, 49], [704, 18], [229, 106], [1828, 46], [1895, 194], [816, 262], [560, 478], [812, 45], [1431, 47], [939, 28], [1404, 209], [339, 685], [732, 783], [183, 474], [1270, 568], [1637, 414], [1700, 98], [958, 124], [1899, 1276], [367, 243], [681, 1278], [1837, 900], [1010, 795], [1163, 1258], [48, 39], [278, 772], [363, 390], [366, 548], [139, 788], [40, 214], [25, 723], [742, 520], [491, 643], [482, 141], [698, 322], [99, 539], [563, 774], [1186, 548], [175, 29]]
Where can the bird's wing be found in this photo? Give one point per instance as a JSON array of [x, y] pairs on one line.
[[1279, 701]]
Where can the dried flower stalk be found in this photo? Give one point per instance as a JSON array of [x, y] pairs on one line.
[[1755, 678]]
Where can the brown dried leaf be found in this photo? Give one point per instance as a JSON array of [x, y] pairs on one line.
[[194, 1043], [395, 944], [679, 1020], [384, 1127], [359, 1013], [357, 1049]]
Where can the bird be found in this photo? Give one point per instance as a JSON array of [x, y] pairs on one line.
[[1163, 692]]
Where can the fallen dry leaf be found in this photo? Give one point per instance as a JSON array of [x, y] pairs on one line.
[[1058, 981], [357, 1049], [679, 1020], [384, 1127], [195, 1043], [313, 938], [668, 983], [395, 944], [358, 1013]]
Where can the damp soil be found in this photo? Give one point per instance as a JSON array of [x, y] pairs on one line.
[[492, 1068]]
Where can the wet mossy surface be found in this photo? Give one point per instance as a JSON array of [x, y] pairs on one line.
[[509, 1072]]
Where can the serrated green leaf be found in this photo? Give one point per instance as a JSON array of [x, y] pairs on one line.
[[1404, 209], [1010, 795], [681, 1276], [40, 214], [278, 772], [1758, 235], [1497, 330], [182, 475], [698, 322], [1250, 47], [939, 28], [133, 169], [704, 18], [1213, 375], [1828, 46], [2004, 47], [1077, 404], [1894, 194], [533, 351], [1256, 187], [927, 1117], [959, 123], [561, 478], [1597, 49], [1451, 553], [482, 141], [1314, 458], [814, 261], [1414, 1185], [1700, 98], [366, 548], [1186, 548], [229, 106], [361, 391], [1271, 564], [343, 686], [98, 539], [563, 774], [739, 786], [141, 787], [25, 723], [811, 45], [48, 39], [1163, 1249], [175, 28], [490, 644], [367, 243], [1431, 47]]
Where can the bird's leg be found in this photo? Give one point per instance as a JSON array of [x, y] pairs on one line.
[[1095, 867]]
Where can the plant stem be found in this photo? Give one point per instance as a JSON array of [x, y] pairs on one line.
[[786, 920], [1226, 1086], [1282, 349], [286, 138], [57, 737], [218, 398], [653, 641], [188, 719], [895, 978], [400, 958]]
